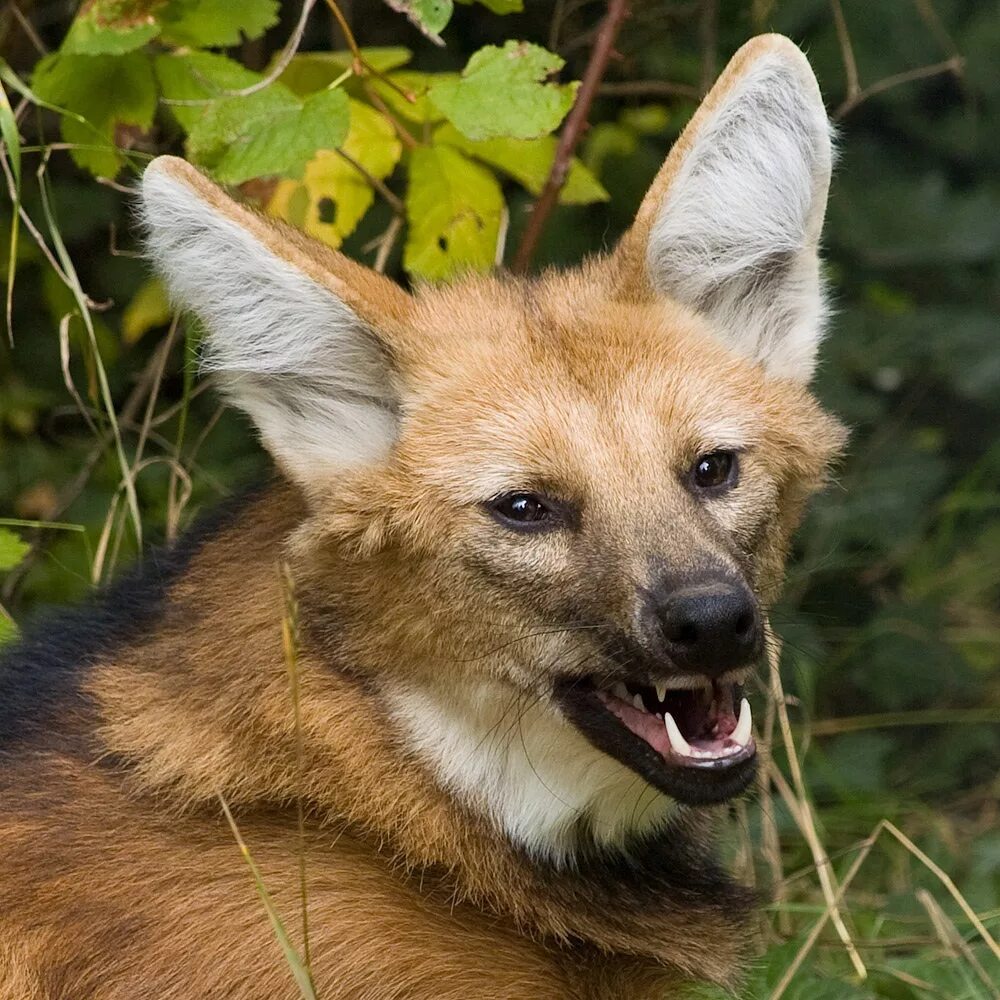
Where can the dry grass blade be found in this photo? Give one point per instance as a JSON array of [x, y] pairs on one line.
[[945, 879], [303, 979], [952, 941], [813, 936], [12, 153], [18, 522], [290, 644], [805, 819], [73, 283]]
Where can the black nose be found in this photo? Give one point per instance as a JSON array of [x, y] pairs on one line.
[[710, 627]]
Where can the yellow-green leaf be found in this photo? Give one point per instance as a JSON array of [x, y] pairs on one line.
[[528, 161], [149, 308], [208, 23], [312, 71], [499, 6], [421, 110], [502, 92], [453, 207], [12, 549], [333, 195]]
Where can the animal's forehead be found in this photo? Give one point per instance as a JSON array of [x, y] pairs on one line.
[[532, 370]]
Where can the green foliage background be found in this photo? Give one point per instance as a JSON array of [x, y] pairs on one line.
[[892, 619]]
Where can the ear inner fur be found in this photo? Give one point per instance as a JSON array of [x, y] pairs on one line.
[[731, 223], [375, 298], [296, 333]]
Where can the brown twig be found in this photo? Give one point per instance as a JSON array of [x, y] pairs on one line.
[[395, 203], [401, 130], [846, 51], [648, 88], [954, 65], [572, 132]]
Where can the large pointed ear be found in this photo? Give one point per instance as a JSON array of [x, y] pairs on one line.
[[300, 336], [731, 224]]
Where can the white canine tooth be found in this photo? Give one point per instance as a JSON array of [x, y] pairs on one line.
[[678, 744], [744, 725], [661, 689], [637, 701], [620, 691]]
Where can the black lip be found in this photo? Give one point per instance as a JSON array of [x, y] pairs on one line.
[[696, 786]]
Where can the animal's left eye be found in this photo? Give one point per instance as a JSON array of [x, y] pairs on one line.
[[715, 470], [523, 511]]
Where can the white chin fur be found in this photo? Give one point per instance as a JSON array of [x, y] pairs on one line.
[[531, 772]]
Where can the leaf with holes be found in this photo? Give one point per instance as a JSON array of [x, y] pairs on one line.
[[503, 92], [528, 161], [453, 207], [334, 195]]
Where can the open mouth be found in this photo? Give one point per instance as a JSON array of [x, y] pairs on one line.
[[689, 736]]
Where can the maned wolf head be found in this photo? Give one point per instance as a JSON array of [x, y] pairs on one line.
[[546, 516]]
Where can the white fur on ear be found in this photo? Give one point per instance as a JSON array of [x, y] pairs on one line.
[[311, 375], [737, 234]]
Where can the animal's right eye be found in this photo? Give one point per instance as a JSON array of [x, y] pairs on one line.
[[524, 511]]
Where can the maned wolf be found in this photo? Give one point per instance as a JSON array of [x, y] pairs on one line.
[[533, 528]]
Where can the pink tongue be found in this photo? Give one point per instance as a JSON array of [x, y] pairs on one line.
[[651, 729]]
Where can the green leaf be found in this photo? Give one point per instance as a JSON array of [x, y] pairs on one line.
[[499, 6], [208, 23], [112, 27], [333, 196], [108, 92], [453, 207], [502, 93], [312, 71], [12, 549], [430, 16], [282, 141], [198, 76], [528, 161]]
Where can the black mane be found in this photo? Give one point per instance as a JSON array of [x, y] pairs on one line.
[[40, 673]]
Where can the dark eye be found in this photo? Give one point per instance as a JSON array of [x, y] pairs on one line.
[[714, 470], [524, 511]]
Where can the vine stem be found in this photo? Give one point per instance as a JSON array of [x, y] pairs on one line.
[[576, 122]]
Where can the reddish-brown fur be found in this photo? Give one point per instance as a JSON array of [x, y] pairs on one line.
[[118, 875]]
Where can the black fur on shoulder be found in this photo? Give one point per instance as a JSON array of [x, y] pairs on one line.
[[40, 673]]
